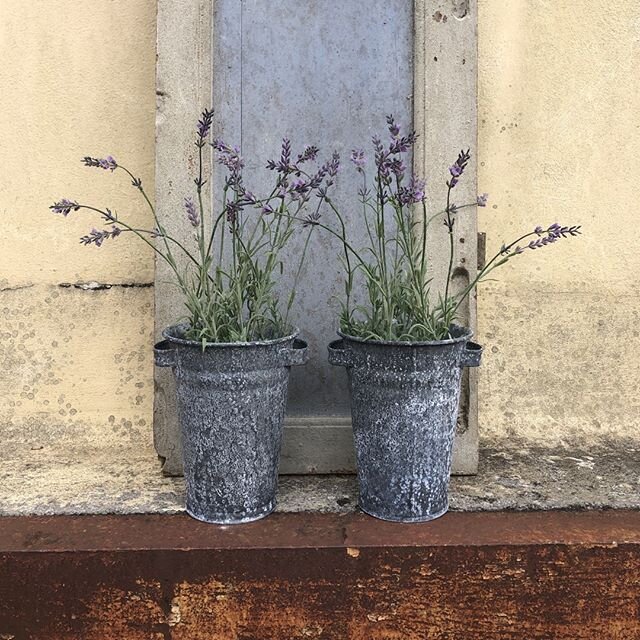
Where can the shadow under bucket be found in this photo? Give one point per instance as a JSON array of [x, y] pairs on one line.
[[404, 408], [231, 404]]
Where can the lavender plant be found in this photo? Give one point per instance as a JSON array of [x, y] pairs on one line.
[[232, 264], [393, 267]]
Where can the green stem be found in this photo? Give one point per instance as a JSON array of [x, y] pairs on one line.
[[490, 266], [297, 278]]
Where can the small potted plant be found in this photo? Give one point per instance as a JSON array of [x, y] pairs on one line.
[[231, 355], [402, 349]]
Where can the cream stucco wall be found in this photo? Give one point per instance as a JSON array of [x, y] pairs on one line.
[[559, 99], [558, 104], [77, 78]]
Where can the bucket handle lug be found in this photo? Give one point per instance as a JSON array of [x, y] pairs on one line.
[[164, 354], [296, 355], [472, 355], [338, 356]]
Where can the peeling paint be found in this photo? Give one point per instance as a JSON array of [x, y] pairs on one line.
[[460, 8]]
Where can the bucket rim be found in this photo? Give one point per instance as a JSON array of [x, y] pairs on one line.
[[465, 336], [169, 334]]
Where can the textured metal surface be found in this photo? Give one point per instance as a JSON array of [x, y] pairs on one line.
[[317, 73], [560, 575], [404, 407], [231, 405]]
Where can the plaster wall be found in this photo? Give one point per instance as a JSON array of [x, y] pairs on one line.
[[558, 104], [559, 100], [77, 79]]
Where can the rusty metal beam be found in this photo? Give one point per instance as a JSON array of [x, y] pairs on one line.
[[345, 577]]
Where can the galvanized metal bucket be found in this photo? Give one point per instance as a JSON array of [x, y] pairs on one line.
[[231, 404], [404, 408]]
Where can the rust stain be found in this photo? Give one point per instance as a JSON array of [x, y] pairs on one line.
[[288, 581]]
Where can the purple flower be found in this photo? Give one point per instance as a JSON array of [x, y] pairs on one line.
[[358, 158], [317, 179], [482, 199], [329, 168], [229, 157], [554, 233], [64, 206], [97, 237], [458, 167], [203, 127], [380, 154], [394, 129], [232, 210], [412, 193], [309, 154], [192, 214], [283, 166], [334, 165], [285, 154], [249, 197], [558, 231], [299, 189], [108, 164], [397, 166], [542, 242], [403, 144]]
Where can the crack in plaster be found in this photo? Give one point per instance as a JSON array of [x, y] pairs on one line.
[[100, 286]]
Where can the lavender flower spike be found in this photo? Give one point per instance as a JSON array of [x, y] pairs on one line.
[[204, 125], [192, 214], [358, 158], [97, 237], [394, 129], [413, 193], [554, 233], [64, 206], [458, 167], [334, 165], [309, 154], [108, 164], [482, 199]]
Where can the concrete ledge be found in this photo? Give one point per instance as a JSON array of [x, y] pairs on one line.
[[42, 477]]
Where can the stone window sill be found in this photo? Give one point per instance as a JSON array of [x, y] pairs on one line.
[[48, 479]]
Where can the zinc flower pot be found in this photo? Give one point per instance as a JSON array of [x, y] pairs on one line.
[[231, 403], [404, 407]]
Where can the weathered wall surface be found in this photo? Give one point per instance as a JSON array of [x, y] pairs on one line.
[[77, 78], [558, 110], [559, 101]]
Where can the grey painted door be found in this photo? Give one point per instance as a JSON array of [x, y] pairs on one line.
[[323, 73]]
